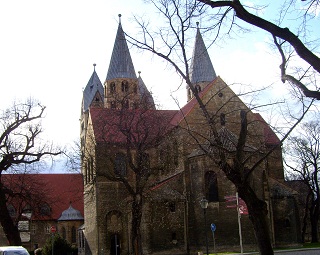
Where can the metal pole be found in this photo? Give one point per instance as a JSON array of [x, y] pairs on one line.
[[214, 243], [52, 239], [239, 223], [116, 240], [205, 229]]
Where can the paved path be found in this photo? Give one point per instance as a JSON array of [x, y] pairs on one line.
[[315, 251]]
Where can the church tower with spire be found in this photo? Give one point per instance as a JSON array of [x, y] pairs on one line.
[[122, 88], [201, 69]]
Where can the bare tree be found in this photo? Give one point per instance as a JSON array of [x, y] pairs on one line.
[[20, 145], [235, 10], [171, 43], [303, 161]]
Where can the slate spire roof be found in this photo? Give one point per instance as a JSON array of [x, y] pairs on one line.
[[144, 92], [94, 85], [121, 65], [201, 68]]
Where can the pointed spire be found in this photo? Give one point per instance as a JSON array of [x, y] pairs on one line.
[[145, 96], [94, 85], [121, 65], [201, 68]]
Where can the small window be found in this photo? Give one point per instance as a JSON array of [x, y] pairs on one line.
[[112, 87], [125, 104], [198, 88], [220, 94], [11, 210], [174, 238], [47, 229], [120, 165], [45, 210], [73, 234], [135, 89], [172, 206], [211, 186], [63, 233], [222, 119], [113, 105], [33, 228], [124, 86]]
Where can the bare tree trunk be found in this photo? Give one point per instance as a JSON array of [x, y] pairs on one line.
[[9, 228], [304, 225], [136, 223], [314, 219], [258, 215]]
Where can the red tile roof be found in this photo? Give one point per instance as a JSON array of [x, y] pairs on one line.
[[58, 189], [110, 125]]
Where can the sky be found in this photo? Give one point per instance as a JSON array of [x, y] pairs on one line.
[[48, 48]]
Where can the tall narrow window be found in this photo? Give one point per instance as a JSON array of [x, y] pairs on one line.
[[120, 165], [64, 232], [73, 234], [198, 88], [222, 119], [211, 186], [124, 86], [125, 104], [172, 206], [112, 87], [11, 210]]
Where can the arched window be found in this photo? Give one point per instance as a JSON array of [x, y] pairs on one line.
[[120, 165], [11, 210], [222, 119], [112, 87], [124, 86], [198, 88], [45, 210], [211, 186], [125, 104], [113, 105], [63, 233], [73, 234]]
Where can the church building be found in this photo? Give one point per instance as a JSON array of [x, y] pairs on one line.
[[145, 171]]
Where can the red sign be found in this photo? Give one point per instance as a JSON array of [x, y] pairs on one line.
[[53, 229]]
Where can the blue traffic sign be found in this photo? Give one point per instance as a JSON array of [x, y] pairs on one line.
[[213, 227]]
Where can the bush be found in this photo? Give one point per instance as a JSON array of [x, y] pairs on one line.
[[60, 246]]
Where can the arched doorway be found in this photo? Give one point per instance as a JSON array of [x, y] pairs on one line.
[[115, 245]]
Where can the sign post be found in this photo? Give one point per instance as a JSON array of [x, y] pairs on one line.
[[53, 230], [213, 229]]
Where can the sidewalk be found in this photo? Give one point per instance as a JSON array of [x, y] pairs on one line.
[[302, 251]]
